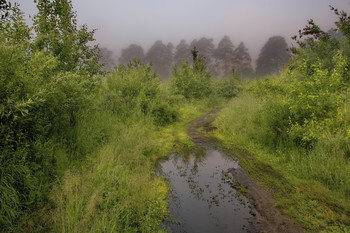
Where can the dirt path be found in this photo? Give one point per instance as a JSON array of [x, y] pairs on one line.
[[205, 122], [268, 218]]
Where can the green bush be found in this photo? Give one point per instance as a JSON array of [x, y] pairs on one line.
[[190, 82], [227, 87], [39, 107], [134, 89]]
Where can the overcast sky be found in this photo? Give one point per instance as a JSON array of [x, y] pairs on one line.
[[121, 22]]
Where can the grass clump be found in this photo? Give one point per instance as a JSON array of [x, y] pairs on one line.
[[115, 191]]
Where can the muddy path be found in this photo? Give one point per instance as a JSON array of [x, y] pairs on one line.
[[268, 218]]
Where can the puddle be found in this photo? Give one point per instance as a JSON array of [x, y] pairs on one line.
[[202, 198]]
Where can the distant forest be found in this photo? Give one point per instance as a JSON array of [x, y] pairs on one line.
[[222, 61]]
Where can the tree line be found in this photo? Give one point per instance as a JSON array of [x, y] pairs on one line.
[[223, 60]]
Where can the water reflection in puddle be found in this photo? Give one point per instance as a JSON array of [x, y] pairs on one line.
[[202, 198]]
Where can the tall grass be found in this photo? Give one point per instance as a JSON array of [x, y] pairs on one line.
[[320, 174], [116, 190]]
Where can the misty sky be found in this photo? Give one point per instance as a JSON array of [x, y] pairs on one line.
[[120, 23]]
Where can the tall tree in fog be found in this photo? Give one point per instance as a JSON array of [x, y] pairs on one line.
[[273, 56], [206, 50], [160, 55], [205, 47], [106, 59], [335, 34], [224, 56], [134, 51], [243, 61], [170, 47], [182, 53]]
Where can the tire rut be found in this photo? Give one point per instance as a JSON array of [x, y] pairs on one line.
[[267, 217]]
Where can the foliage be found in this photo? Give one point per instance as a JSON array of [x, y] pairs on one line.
[[206, 48], [335, 34], [50, 120], [182, 53], [39, 110], [230, 60], [227, 87], [192, 82], [343, 24], [313, 34], [196, 83], [225, 57], [243, 66], [273, 56], [161, 57], [293, 105], [56, 117], [58, 34], [133, 52], [13, 26], [106, 59], [135, 88], [298, 123], [40, 103]]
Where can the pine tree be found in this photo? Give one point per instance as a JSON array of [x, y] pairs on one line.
[[206, 50], [160, 55], [273, 56], [182, 54], [242, 61], [224, 56], [133, 52]]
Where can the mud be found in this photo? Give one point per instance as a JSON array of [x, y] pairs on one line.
[[268, 218]]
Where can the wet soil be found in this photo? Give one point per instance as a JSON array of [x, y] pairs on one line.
[[203, 198], [268, 218]]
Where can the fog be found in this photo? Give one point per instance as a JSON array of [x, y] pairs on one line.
[[120, 23]]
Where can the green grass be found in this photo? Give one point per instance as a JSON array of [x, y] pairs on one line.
[[116, 189], [311, 186], [91, 165]]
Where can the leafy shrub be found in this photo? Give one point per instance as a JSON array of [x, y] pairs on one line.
[[192, 83], [39, 107], [227, 87], [134, 89]]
